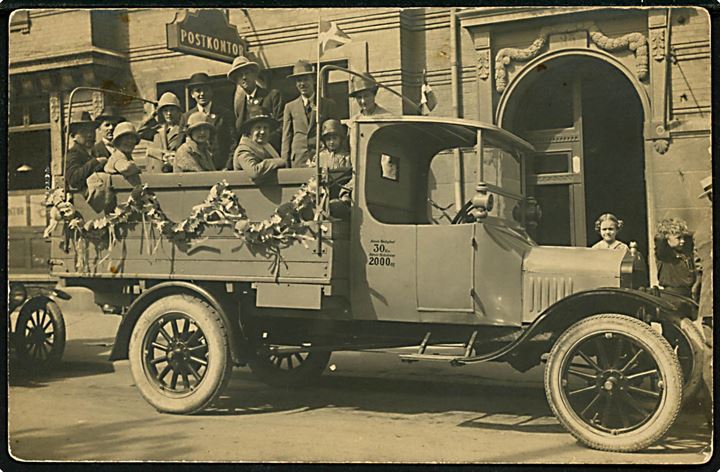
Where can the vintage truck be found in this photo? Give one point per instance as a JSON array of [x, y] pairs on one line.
[[281, 295]]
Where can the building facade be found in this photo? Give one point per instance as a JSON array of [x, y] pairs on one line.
[[617, 102]]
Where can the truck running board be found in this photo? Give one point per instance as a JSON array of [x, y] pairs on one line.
[[453, 359]]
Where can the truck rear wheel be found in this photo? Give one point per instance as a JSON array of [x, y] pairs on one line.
[[39, 337], [687, 341], [289, 370], [614, 383], [179, 354]]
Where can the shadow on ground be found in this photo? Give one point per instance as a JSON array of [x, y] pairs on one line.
[[82, 358]]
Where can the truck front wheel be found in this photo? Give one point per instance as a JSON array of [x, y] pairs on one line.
[[614, 383], [179, 354], [39, 337]]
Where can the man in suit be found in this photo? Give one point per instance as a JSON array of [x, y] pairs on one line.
[[244, 74], [299, 132], [107, 120], [79, 163], [221, 118]]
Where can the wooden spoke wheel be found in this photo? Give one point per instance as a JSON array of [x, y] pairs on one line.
[[614, 383], [289, 369], [179, 354], [687, 341], [39, 337]]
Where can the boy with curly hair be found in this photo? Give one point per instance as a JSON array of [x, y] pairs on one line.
[[674, 255]]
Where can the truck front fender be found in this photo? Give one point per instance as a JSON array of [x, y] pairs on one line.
[[223, 307]]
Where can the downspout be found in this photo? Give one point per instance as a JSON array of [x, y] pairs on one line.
[[456, 90]]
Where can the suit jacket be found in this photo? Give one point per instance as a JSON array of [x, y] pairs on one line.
[[165, 139], [80, 165], [256, 160], [224, 137], [101, 150], [299, 131]]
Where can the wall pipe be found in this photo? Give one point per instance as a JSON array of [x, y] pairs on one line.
[[456, 90]]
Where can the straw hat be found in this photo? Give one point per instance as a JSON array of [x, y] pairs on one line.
[[302, 68], [258, 114], [123, 129], [360, 83], [707, 186], [240, 63]]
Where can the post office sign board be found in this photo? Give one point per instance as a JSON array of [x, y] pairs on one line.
[[205, 33]]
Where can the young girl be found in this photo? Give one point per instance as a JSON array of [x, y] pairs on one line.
[[332, 155], [608, 226], [673, 252]]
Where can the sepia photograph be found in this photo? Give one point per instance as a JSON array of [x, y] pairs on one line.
[[410, 235]]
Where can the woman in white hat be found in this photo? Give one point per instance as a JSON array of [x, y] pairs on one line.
[[125, 138], [254, 154], [195, 155]]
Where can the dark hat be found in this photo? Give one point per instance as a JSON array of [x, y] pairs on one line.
[[256, 115], [239, 63], [363, 82], [302, 68], [81, 119], [333, 126], [199, 78], [110, 113]]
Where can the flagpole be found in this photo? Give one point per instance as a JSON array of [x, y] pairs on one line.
[[317, 140]]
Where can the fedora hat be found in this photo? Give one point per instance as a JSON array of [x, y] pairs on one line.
[[198, 78], [168, 99], [258, 114], [81, 119], [302, 68], [361, 83], [706, 185], [333, 126], [109, 113], [197, 120], [239, 63], [124, 129]]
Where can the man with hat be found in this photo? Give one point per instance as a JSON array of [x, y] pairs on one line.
[[704, 263], [80, 164], [244, 74], [107, 120], [364, 89], [163, 129], [254, 154], [221, 118], [299, 128]]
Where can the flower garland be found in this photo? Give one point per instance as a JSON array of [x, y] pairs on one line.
[[292, 221]]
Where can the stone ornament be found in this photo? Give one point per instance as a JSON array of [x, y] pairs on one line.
[[98, 103], [635, 42], [483, 64], [54, 109], [657, 43]]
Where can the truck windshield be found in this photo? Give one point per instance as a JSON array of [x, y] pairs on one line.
[[422, 172]]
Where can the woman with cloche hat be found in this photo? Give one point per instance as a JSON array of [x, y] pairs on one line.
[[254, 154], [363, 89], [195, 155], [125, 138]]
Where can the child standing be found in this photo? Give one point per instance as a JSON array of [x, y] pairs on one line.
[[333, 154], [673, 252], [608, 226]]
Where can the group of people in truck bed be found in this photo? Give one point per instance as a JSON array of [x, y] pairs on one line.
[[260, 134]]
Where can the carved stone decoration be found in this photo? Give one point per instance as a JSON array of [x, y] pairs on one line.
[[483, 64], [657, 43], [635, 42], [98, 103], [54, 108], [661, 145]]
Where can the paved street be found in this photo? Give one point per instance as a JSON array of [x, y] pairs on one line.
[[371, 407]]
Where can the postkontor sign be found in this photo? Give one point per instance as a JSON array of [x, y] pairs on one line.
[[205, 33]]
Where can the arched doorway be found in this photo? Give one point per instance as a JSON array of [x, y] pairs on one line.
[[585, 119]]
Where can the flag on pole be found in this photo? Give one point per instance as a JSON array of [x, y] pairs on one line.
[[331, 36], [428, 101]]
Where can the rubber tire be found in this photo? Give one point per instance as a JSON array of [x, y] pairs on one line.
[[23, 357], [667, 362], [219, 368], [309, 371], [692, 381]]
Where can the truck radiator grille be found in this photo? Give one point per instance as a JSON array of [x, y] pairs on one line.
[[543, 291]]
